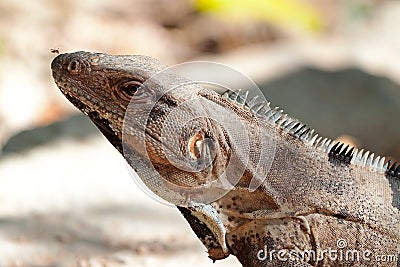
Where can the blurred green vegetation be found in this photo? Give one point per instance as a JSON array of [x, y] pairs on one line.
[[288, 13], [359, 10]]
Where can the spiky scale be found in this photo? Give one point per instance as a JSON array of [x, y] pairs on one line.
[[344, 150], [296, 128], [350, 152], [313, 140], [370, 159], [349, 155], [360, 156], [286, 122], [339, 148], [225, 95], [252, 102], [303, 132], [256, 109], [386, 167], [364, 158], [318, 142], [277, 116], [307, 135], [354, 159], [381, 163], [271, 112], [282, 120], [244, 98], [290, 125]]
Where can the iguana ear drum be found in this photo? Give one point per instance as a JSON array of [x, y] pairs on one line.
[[194, 145]]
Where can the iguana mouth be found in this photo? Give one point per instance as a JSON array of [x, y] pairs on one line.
[[102, 123], [104, 127], [76, 102]]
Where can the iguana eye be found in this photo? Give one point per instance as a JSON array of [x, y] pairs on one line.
[[129, 89]]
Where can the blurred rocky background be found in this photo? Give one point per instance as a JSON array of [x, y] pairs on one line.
[[67, 196]]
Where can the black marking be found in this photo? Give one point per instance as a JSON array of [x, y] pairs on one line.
[[393, 170], [164, 105], [305, 132], [169, 101], [102, 124], [393, 176], [343, 153], [343, 214], [340, 155], [300, 129], [78, 104], [104, 127], [201, 230], [158, 112], [397, 171], [338, 148], [390, 167], [349, 153], [295, 126]]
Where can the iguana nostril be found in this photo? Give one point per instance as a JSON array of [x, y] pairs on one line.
[[74, 66]]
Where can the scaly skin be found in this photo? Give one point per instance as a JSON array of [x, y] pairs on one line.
[[315, 195]]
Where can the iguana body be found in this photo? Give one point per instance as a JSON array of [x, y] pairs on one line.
[[317, 196]]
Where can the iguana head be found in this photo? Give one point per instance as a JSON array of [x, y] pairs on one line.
[[102, 89]]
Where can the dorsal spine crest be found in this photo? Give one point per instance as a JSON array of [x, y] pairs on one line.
[[335, 150]]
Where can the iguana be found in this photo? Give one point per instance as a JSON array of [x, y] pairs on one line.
[[320, 203]]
